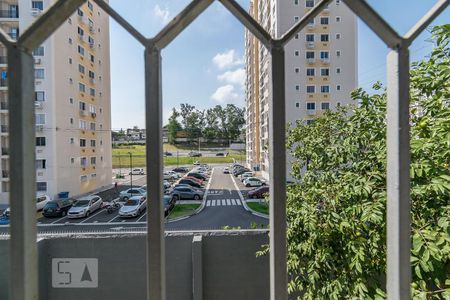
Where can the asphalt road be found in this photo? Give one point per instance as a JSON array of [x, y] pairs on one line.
[[223, 207]]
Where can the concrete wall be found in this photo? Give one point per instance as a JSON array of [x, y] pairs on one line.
[[229, 266]]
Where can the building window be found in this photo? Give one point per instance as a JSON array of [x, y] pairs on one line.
[[70, 41], [39, 74], [324, 38], [310, 72], [338, 104], [92, 126], [310, 37], [82, 105], [39, 51], [91, 41], [92, 92], [92, 58], [324, 54], [296, 18], [338, 2], [80, 12], [82, 143], [40, 119], [297, 88], [81, 69], [93, 143], [71, 120], [295, 2], [310, 105], [338, 70], [41, 164], [93, 175], [297, 70], [39, 96], [91, 24], [325, 89], [338, 36], [338, 19], [83, 161], [72, 160], [40, 141], [70, 61], [37, 5], [324, 72], [91, 74], [324, 20], [338, 53], [296, 53], [80, 50], [309, 54], [309, 3], [297, 104], [80, 32], [325, 105], [90, 6], [83, 178], [71, 100], [72, 140], [83, 124], [338, 87], [296, 36], [309, 122], [310, 89], [82, 87], [41, 186]]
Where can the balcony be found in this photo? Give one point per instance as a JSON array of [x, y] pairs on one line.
[[5, 151], [325, 61], [3, 60], [38, 104], [13, 35], [4, 128], [83, 112], [310, 112], [39, 127], [5, 174], [310, 60], [310, 45], [3, 82], [35, 12], [9, 14], [4, 106]]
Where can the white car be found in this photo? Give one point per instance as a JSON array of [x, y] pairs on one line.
[[137, 171], [41, 200], [245, 176], [226, 170], [85, 206], [174, 175], [253, 181], [127, 194], [133, 207]]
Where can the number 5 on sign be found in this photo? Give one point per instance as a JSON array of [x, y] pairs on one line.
[[74, 272]]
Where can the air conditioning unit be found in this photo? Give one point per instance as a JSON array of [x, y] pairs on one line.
[[325, 61], [39, 127], [311, 60], [310, 45], [37, 61], [35, 12]]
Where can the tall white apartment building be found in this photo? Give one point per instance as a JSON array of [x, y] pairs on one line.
[[72, 100], [320, 62]]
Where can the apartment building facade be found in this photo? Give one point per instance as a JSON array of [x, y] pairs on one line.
[[72, 100], [320, 63]]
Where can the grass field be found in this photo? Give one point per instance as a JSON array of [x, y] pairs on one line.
[[259, 207], [121, 157], [181, 210]]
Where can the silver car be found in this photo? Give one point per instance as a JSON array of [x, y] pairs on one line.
[[181, 192], [85, 206], [133, 207], [127, 194]]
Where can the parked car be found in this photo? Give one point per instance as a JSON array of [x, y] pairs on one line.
[[199, 181], [85, 206], [166, 153], [194, 154], [57, 208], [181, 170], [133, 207], [41, 200], [190, 182], [187, 193], [169, 204], [127, 194], [240, 171], [245, 175], [220, 154], [197, 175], [253, 181], [137, 171], [173, 175], [258, 193], [166, 184]]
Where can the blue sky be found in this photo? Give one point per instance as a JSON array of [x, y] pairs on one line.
[[204, 65]]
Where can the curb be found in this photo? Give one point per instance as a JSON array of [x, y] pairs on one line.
[[203, 204]]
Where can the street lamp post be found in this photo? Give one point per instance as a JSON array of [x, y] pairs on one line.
[[131, 169]]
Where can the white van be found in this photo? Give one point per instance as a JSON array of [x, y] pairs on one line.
[[137, 171]]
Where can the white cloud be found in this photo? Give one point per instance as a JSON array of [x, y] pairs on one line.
[[227, 59], [226, 94], [162, 14], [233, 77]]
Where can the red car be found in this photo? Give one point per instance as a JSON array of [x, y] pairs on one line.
[[199, 181], [258, 193]]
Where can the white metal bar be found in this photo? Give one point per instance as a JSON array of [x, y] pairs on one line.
[[23, 248], [378, 25], [122, 22], [285, 38], [426, 20], [277, 173], [180, 22], [156, 274], [5, 39], [398, 182], [46, 24], [251, 24]]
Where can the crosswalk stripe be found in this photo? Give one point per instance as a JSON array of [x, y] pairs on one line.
[[238, 202], [213, 202], [233, 202], [223, 202], [228, 202]]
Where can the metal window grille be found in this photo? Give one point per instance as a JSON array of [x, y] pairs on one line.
[[23, 261]]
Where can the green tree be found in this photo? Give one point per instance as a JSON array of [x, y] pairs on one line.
[[336, 209], [235, 121], [173, 126]]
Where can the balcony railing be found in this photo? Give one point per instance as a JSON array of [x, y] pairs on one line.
[[5, 151], [3, 59], [11, 14], [3, 105], [5, 174], [4, 128]]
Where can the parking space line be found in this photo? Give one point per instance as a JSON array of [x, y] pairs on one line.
[[142, 216], [59, 219], [113, 219], [123, 221], [99, 211]]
